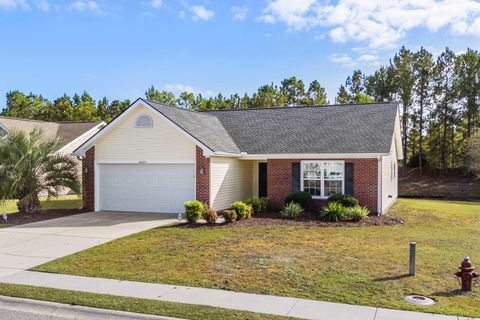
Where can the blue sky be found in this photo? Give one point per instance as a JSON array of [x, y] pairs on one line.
[[119, 48]]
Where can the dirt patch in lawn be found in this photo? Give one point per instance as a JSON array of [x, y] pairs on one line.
[[15, 219], [307, 219], [433, 184]]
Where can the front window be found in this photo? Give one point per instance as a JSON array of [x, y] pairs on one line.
[[323, 178]]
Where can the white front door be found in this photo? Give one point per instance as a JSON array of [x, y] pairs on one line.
[[161, 188]]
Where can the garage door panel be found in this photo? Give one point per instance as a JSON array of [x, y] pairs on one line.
[[146, 188]]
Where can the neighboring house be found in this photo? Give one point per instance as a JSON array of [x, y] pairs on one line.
[[71, 134], [153, 157]]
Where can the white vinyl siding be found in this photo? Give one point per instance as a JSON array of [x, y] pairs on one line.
[[230, 180], [161, 143], [389, 178]]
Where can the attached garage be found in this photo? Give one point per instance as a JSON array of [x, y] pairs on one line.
[[145, 187]]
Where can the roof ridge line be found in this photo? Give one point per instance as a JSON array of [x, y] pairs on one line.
[[175, 107], [303, 106]]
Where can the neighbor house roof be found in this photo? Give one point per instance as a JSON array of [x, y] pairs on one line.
[[66, 131], [332, 129]]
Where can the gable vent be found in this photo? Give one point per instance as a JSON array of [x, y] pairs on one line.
[[144, 121]]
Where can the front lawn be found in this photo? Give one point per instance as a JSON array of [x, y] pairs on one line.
[[358, 265], [62, 202]]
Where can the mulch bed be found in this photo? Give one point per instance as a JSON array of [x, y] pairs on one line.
[[15, 219], [306, 219]]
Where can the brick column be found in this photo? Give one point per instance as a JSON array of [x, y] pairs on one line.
[[88, 179], [203, 177]]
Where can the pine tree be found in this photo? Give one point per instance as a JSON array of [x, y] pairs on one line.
[[404, 81], [423, 71]]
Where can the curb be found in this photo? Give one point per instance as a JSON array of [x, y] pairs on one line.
[[67, 311]]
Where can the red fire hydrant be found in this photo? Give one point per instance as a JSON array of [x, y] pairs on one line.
[[467, 274]]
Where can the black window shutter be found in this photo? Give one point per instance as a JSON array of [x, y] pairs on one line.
[[296, 176], [349, 178]]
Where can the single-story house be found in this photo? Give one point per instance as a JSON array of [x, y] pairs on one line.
[[71, 134], [153, 157]]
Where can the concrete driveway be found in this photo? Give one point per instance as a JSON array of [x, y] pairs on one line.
[[26, 246]]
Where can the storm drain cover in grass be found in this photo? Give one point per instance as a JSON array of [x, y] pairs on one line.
[[419, 300]]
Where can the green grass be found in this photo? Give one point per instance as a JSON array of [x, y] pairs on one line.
[[364, 265], [62, 202], [154, 307]]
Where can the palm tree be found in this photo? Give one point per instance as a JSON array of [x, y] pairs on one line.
[[29, 165]]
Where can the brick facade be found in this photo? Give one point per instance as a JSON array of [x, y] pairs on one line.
[[365, 181], [88, 179], [203, 180]]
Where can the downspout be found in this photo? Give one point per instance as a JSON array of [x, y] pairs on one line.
[[379, 185]]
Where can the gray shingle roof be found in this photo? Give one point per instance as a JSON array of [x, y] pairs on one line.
[[362, 128], [66, 131], [202, 126]]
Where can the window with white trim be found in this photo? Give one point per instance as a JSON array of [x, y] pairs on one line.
[[323, 178], [144, 121]]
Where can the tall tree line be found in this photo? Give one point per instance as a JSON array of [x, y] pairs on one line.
[[290, 92], [439, 101]]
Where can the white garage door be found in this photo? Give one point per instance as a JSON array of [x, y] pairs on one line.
[[159, 188]]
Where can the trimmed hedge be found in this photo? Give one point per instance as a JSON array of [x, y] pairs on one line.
[[256, 204], [210, 215], [301, 197], [194, 210], [346, 200], [242, 209], [230, 216]]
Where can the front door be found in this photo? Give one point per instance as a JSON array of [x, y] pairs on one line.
[[262, 179]]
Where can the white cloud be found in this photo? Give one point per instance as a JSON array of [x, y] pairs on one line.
[[346, 60], [239, 13], [157, 4], [81, 5], [179, 88], [342, 59], [293, 13], [369, 59], [14, 4], [378, 23], [201, 13], [148, 14]]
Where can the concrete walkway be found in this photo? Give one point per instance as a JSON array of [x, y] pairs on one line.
[[26, 246], [26, 309], [285, 306]]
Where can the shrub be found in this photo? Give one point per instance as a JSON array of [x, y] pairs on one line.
[[291, 210], [194, 210], [250, 212], [301, 197], [256, 204], [345, 199], [210, 215], [229, 215], [242, 209], [333, 211], [265, 204], [356, 213]]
